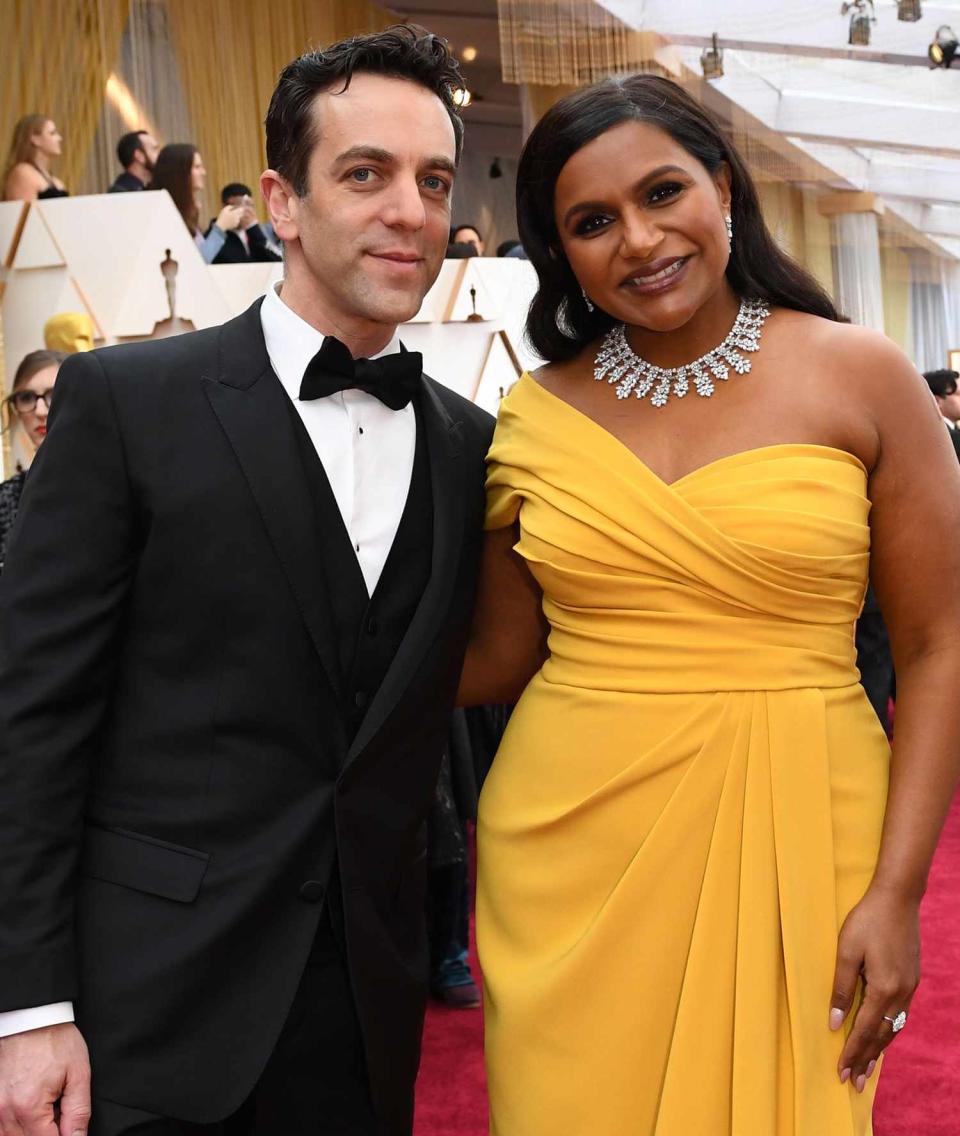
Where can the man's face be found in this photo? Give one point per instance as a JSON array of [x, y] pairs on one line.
[[950, 405], [374, 222], [467, 235], [149, 148], [245, 202]]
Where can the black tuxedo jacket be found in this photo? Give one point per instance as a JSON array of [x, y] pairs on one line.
[[235, 252], [176, 779]]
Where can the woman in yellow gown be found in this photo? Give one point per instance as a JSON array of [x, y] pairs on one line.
[[698, 904]]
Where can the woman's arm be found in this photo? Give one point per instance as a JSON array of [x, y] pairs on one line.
[[508, 642], [23, 184], [915, 568]]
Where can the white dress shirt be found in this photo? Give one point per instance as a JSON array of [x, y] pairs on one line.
[[367, 452]]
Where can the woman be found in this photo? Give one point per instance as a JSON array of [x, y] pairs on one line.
[[36, 145], [29, 404], [180, 171], [689, 811]]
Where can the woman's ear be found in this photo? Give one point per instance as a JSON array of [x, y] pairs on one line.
[[722, 179]]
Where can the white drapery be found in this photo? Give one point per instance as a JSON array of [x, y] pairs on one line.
[[934, 310], [856, 268]]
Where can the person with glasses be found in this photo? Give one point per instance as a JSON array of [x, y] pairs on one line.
[[28, 406]]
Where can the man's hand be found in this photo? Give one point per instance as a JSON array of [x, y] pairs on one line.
[[38, 1069]]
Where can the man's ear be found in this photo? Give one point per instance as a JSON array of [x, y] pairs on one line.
[[282, 204]]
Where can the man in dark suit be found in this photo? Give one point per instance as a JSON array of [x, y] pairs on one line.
[[232, 620], [247, 242], [136, 152]]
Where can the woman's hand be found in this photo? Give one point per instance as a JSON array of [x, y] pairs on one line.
[[880, 942]]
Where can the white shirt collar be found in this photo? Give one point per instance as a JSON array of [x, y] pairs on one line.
[[952, 425], [291, 342]]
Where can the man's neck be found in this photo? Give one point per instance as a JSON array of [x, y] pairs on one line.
[[139, 172], [362, 338]]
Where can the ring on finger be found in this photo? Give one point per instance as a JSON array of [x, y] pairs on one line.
[[897, 1023]]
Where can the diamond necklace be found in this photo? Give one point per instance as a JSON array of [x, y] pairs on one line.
[[618, 363]]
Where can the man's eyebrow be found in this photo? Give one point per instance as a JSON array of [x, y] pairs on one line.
[[581, 206]]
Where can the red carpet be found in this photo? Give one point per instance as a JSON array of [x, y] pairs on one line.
[[919, 1092]]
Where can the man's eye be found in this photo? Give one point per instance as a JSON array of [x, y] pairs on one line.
[[592, 224], [437, 184], [665, 191], [364, 174]]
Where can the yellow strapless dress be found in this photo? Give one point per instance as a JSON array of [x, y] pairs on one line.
[[689, 797]]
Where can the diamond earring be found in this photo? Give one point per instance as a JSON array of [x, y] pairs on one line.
[[728, 221], [586, 299]]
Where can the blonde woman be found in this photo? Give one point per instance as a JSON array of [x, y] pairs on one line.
[[36, 145]]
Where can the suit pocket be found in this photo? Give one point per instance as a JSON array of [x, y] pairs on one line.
[[143, 863]]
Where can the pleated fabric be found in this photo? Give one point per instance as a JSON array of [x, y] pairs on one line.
[[689, 796]]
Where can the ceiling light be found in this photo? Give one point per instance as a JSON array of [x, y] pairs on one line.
[[861, 17], [711, 60], [462, 97], [469, 54], [943, 48], [908, 11]]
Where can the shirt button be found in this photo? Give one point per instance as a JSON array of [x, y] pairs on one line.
[[312, 891]]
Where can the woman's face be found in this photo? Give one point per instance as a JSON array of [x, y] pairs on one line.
[[198, 174], [47, 140], [34, 419], [642, 223]]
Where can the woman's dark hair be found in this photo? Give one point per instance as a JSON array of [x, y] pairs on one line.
[[173, 172], [403, 51], [559, 324]]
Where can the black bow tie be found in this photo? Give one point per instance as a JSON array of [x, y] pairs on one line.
[[394, 379]]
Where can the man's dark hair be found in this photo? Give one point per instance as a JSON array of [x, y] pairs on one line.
[[403, 51], [507, 246], [466, 225], [234, 189], [942, 382], [128, 145]]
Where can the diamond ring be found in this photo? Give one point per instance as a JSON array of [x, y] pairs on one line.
[[897, 1023]]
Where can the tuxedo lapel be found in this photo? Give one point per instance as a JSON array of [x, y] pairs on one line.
[[254, 412], [443, 444]]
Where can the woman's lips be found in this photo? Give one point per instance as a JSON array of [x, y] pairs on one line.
[[660, 279]]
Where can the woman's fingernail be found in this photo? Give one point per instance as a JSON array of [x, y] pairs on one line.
[[836, 1018], [845, 1076], [861, 1081], [871, 1067]]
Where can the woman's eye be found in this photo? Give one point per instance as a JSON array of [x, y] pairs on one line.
[[591, 224], [665, 191]]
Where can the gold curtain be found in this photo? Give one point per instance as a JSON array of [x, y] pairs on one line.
[[56, 61], [554, 42], [230, 53]]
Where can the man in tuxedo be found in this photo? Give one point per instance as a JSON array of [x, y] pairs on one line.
[[247, 242], [232, 620], [136, 152]]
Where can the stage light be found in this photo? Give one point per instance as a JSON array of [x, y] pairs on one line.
[[861, 17], [908, 11], [944, 47], [462, 97], [469, 54], [711, 60]]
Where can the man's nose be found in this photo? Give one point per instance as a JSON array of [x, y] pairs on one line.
[[405, 208]]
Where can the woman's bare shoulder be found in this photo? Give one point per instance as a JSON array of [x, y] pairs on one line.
[[557, 375]]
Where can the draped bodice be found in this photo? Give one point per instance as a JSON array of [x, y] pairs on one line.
[[746, 574]]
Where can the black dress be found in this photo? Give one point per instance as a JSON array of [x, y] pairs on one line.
[[9, 503]]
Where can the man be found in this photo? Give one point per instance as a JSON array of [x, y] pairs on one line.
[[943, 387], [136, 152], [232, 620], [247, 242], [468, 235]]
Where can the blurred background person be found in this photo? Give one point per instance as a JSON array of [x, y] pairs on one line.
[[27, 408], [180, 171], [943, 387], [247, 242], [68, 332], [35, 147], [468, 235], [137, 153]]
